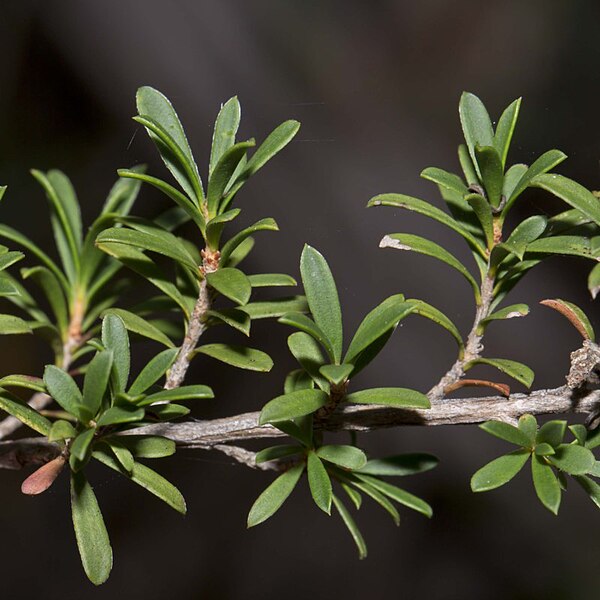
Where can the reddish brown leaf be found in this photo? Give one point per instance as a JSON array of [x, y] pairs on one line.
[[39, 481], [499, 387]]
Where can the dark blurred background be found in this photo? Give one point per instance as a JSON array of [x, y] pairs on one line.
[[376, 86]]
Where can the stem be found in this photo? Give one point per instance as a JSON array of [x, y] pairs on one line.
[[474, 345], [196, 325]]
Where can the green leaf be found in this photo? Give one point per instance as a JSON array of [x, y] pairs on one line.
[[544, 449], [571, 192], [490, 166], [10, 325], [169, 412], [348, 457], [90, 531], [522, 373], [511, 179], [506, 432], [298, 379], [226, 126], [483, 212], [139, 325], [96, 380], [508, 312], [223, 172], [498, 472], [336, 374], [153, 104], [353, 494], [572, 459], [50, 285], [271, 499], [351, 525], [593, 281], [234, 317], [505, 129], [568, 245], [191, 210], [214, 228], [277, 140], [239, 254], [120, 414], [528, 425], [427, 209], [467, 166], [322, 297], [61, 430], [306, 351], [377, 323], [551, 433], [145, 446], [153, 371], [319, 483], [433, 314], [398, 397], [237, 356], [149, 480], [303, 323], [232, 283], [545, 483], [400, 465], [64, 390], [399, 495], [275, 308], [449, 181], [115, 338], [476, 124], [591, 488], [164, 243], [406, 241], [271, 280], [184, 392], [291, 406], [17, 408], [543, 164], [123, 455], [81, 444], [277, 452]]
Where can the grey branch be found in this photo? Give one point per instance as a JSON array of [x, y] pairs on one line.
[[217, 434]]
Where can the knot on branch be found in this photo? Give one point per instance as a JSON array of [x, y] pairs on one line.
[[583, 365]]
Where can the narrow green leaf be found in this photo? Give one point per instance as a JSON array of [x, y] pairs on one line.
[[234, 317], [544, 449], [64, 390], [10, 325], [24, 381], [119, 414], [322, 297], [467, 166], [551, 433], [145, 446], [185, 392], [237, 356], [511, 179], [353, 494], [400, 465], [303, 323], [490, 167], [348, 457], [149, 480], [352, 528], [50, 285], [271, 499], [476, 124], [319, 483], [444, 179], [168, 412], [427, 209], [528, 425], [115, 338], [239, 254], [96, 380], [232, 283], [522, 373], [543, 164], [17, 408], [90, 531], [123, 455], [405, 241], [81, 444], [152, 103], [483, 212], [398, 397], [508, 312], [296, 380], [275, 308], [291, 406], [214, 228], [398, 495], [226, 126], [307, 352], [377, 323], [153, 371], [568, 245], [505, 128], [271, 280], [433, 314], [499, 472], [572, 459], [336, 374], [593, 281], [277, 452], [141, 326], [61, 430], [545, 483], [591, 488], [506, 432]]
